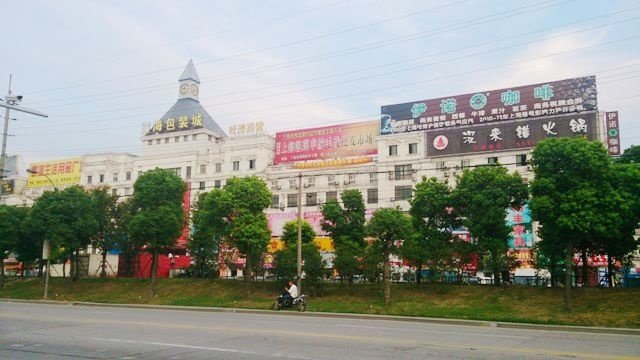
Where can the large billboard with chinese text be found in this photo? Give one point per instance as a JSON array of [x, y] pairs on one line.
[[522, 134], [328, 142], [568, 96], [612, 124], [58, 172]]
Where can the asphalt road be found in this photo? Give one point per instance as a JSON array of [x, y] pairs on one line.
[[43, 331]]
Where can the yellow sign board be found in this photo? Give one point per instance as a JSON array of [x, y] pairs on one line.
[[55, 173], [323, 243]]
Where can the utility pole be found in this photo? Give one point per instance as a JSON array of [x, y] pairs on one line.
[[299, 242], [11, 102]]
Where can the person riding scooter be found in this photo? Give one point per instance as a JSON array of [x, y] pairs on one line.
[[291, 293]]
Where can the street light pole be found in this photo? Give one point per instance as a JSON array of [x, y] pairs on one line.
[[46, 246], [299, 242]]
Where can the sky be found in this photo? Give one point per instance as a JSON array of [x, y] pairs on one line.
[[102, 69]]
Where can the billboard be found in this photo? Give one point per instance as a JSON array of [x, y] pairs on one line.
[[60, 172], [554, 98], [328, 142], [521, 224], [510, 135], [7, 187], [612, 124]]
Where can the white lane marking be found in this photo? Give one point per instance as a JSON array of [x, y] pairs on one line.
[[433, 331], [199, 348]]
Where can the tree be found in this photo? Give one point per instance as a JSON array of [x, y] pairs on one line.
[[572, 197], [346, 226], [630, 155], [158, 218], [105, 207], [11, 222], [388, 226], [205, 237], [482, 197], [235, 214], [433, 219], [67, 219], [127, 245], [286, 260]]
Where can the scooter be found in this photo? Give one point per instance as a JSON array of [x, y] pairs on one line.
[[297, 303]]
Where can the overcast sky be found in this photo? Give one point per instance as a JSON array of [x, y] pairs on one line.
[[100, 69]]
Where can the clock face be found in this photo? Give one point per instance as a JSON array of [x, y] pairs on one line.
[[194, 90], [184, 88]]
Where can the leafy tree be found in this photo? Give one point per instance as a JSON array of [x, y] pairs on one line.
[[67, 219], [287, 259], [128, 246], [372, 262], [461, 254], [104, 204], [482, 197], [11, 222], [158, 218], [573, 197], [433, 219], [204, 242], [388, 226], [630, 155], [346, 226]]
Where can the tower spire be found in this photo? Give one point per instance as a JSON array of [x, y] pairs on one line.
[[189, 82]]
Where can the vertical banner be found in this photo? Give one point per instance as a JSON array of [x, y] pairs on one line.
[[612, 124]]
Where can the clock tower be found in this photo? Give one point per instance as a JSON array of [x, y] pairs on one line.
[[189, 81]]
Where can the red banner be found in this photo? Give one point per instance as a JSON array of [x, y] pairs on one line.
[[186, 207]]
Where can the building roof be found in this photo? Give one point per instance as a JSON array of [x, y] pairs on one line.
[[185, 114], [190, 73]]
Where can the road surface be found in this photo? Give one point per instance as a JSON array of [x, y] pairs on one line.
[[45, 331]]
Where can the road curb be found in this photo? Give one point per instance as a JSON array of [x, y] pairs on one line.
[[441, 321]]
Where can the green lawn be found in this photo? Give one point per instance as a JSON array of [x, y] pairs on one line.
[[592, 306]]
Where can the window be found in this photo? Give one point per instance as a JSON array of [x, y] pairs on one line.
[[311, 181], [252, 164], [465, 164], [492, 160], [127, 191], [236, 165], [311, 199], [393, 150], [373, 178], [403, 192], [203, 169], [332, 179], [157, 141], [413, 148], [331, 196], [403, 172], [149, 142], [275, 201], [372, 196], [101, 178], [194, 136], [176, 171], [293, 183], [440, 166], [210, 137], [292, 200], [351, 179], [177, 139], [89, 179], [218, 167], [166, 140], [521, 160], [127, 176], [186, 138], [188, 175], [217, 184], [114, 192], [115, 177], [202, 185]]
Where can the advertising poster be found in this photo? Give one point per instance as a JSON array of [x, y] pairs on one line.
[[58, 172]]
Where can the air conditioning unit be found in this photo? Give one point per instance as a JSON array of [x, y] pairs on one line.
[[333, 183], [346, 182], [391, 175], [446, 174], [306, 186]]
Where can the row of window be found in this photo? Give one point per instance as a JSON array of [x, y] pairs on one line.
[[413, 149], [311, 199]]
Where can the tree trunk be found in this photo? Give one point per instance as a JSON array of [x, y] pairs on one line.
[[72, 265], [386, 269], [154, 271], [610, 270], [567, 277], [1, 273], [418, 273], [103, 274], [585, 268], [64, 268], [76, 273], [552, 270], [247, 275]]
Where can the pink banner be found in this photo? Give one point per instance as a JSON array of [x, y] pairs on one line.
[[328, 142]]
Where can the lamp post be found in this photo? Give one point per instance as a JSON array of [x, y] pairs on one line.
[[299, 242], [46, 246]]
